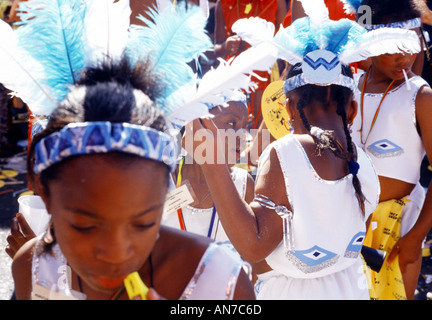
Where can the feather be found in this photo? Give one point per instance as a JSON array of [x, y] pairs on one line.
[[381, 41], [171, 38], [339, 34], [317, 12], [52, 32], [226, 78], [254, 30], [22, 74], [351, 6], [106, 29]]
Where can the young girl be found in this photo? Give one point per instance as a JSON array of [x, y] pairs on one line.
[[393, 127], [308, 218], [102, 168], [201, 216]]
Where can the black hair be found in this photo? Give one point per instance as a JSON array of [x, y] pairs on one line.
[[107, 92], [387, 11], [325, 95], [115, 92]]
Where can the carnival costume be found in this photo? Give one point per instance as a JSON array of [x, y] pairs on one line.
[[312, 261], [43, 58], [386, 128]]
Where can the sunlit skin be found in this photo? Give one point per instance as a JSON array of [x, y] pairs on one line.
[[106, 215], [103, 236]]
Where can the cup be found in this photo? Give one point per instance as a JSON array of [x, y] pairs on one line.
[[34, 211]]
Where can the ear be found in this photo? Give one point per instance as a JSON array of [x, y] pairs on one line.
[[291, 106], [352, 111]]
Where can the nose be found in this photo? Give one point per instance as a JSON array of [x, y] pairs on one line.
[[115, 247]]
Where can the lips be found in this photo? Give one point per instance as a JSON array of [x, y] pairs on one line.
[[110, 283]]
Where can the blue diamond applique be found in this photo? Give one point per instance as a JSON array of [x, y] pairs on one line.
[[355, 245], [385, 148]]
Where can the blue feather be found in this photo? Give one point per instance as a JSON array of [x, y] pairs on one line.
[[171, 39], [351, 6], [340, 34], [52, 31]]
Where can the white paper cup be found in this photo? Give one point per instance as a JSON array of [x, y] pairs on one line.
[[34, 211]]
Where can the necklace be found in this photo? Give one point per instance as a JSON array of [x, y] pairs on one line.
[[120, 291], [377, 110], [180, 212]]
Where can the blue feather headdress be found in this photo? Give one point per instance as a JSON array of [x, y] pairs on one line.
[[321, 45]]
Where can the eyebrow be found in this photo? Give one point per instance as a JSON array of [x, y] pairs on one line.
[[94, 216]]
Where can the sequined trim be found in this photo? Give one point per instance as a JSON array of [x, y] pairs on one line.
[[408, 24], [201, 267], [308, 261]]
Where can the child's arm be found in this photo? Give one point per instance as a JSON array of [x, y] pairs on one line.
[[253, 230], [410, 245]]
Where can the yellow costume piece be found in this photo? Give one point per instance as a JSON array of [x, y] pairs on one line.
[[382, 234]]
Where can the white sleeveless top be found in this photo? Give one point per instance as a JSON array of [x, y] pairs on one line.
[[215, 277], [394, 145], [198, 221], [328, 224]]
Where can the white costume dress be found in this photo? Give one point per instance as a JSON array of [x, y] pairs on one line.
[[393, 144], [198, 221], [328, 227], [215, 277]]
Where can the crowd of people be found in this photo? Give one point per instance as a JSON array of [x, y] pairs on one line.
[[333, 209]]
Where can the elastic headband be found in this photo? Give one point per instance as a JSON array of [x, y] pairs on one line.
[[103, 137]]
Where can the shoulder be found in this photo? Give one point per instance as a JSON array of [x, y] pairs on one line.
[[178, 248], [21, 269]]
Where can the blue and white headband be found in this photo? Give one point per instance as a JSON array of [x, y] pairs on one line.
[[322, 68], [408, 24], [104, 137]]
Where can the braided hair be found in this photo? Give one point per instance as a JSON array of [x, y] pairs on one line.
[[325, 139]]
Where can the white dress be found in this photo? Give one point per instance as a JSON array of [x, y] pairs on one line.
[[215, 277], [328, 228], [199, 221]]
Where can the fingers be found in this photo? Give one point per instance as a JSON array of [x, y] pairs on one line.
[[20, 234], [25, 227], [153, 295]]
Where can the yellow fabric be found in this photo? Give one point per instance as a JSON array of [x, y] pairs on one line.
[[388, 283]]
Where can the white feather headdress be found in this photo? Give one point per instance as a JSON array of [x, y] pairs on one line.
[[322, 45]]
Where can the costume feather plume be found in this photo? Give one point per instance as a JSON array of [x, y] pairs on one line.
[[317, 12], [22, 74], [106, 29], [351, 6], [226, 78], [171, 38], [52, 32]]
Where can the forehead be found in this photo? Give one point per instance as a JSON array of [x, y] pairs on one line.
[[233, 108]]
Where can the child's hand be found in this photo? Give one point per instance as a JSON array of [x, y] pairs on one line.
[[20, 234]]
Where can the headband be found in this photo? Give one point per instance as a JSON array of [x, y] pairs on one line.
[[104, 137], [408, 24]]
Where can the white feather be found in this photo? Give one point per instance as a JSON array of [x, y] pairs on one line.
[[23, 75], [381, 41], [316, 10], [107, 23], [254, 30], [226, 78]]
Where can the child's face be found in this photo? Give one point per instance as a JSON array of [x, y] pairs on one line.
[[232, 120], [391, 65], [106, 216]]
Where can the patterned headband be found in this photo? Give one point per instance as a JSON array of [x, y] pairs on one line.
[[103, 137], [322, 68], [408, 24]]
